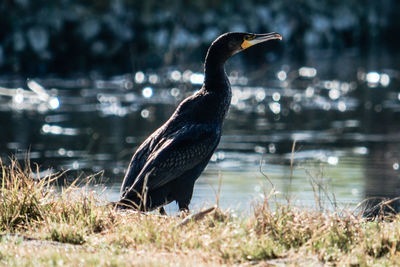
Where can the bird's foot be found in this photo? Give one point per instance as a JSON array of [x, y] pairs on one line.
[[183, 213]]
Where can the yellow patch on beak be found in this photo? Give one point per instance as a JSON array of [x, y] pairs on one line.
[[245, 44]]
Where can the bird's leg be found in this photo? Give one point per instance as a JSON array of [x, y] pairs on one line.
[[183, 213], [183, 205], [162, 211], [184, 209]]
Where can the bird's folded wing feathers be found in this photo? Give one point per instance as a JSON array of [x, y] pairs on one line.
[[139, 159], [176, 154]]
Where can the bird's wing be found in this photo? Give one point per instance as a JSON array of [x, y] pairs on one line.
[[139, 159], [178, 153]]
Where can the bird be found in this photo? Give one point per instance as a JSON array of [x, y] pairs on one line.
[[167, 164]]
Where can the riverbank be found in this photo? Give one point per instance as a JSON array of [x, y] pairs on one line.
[[40, 226]]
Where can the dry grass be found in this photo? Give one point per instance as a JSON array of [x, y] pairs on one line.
[[42, 227]]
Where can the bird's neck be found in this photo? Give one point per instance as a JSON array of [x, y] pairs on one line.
[[214, 71], [216, 82]]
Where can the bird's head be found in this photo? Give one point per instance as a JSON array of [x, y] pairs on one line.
[[231, 43], [234, 42]]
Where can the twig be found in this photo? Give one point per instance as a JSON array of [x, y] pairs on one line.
[[291, 171], [196, 216]]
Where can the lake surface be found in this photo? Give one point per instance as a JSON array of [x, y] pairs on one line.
[[340, 115]]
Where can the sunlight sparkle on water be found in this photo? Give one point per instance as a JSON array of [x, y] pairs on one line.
[[260, 95], [54, 103], [175, 92], [52, 129], [18, 98], [281, 75], [272, 148], [145, 113], [61, 151], [333, 160], [213, 158], [345, 87], [372, 77], [334, 94], [395, 166], [261, 108], [75, 165], [342, 106], [186, 75], [309, 92], [128, 85], [308, 72], [326, 106], [139, 77], [38, 89], [276, 96], [147, 92], [153, 78], [385, 80], [176, 75], [197, 78], [275, 107], [221, 155], [58, 130]]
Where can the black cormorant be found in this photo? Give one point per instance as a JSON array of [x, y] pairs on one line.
[[167, 164]]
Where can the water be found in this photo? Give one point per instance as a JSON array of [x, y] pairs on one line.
[[342, 113]]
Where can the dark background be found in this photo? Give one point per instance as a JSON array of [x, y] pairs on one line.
[[66, 37]]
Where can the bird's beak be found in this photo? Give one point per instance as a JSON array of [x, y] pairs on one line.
[[260, 38]]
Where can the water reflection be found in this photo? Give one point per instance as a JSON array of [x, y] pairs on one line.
[[344, 126], [382, 179]]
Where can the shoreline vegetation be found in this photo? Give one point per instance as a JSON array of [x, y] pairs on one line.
[[40, 225]]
